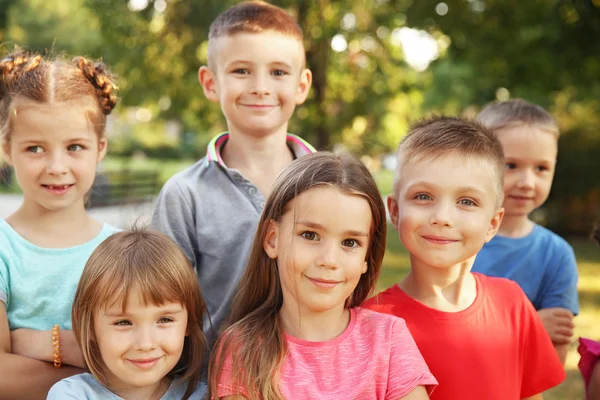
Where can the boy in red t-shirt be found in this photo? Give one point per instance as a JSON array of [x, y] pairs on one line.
[[480, 336]]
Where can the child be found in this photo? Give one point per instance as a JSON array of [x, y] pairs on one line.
[[589, 364], [540, 261], [297, 332], [53, 117], [256, 72], [480, 336], [137, 315]]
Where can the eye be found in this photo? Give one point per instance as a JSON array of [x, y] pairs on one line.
[[350, 243], [279, 72], [467, 202], [165, 320], [511, 165], [241, 71], [542, 168], [422, 196], [35, 149], [75, 147], [309, 235], [123, 322]]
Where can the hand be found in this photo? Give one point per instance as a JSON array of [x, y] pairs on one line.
[[558, 322]]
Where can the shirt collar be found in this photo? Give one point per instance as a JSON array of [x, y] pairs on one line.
[[298, 146]]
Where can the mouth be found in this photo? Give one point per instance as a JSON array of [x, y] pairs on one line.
[[260, 106], [145, 363], [324, 283], [58, 189], [520, 198], [439, 239]]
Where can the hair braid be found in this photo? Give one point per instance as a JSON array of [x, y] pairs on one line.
[[102, 80]]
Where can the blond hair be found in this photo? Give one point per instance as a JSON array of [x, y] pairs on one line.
[[255, 341], [32, 77], [442, 136], [153, 264], [510, 113]]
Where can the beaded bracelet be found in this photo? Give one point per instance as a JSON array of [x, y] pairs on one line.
[[56, 345]]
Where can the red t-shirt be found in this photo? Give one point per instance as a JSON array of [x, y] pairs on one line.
[[497, 348]]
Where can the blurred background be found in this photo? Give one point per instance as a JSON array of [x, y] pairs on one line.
[[377, 65]]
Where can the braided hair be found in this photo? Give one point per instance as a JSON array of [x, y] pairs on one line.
[[26, 76]]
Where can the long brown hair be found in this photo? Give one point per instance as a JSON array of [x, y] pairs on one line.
[[153, 264], [255, 341]]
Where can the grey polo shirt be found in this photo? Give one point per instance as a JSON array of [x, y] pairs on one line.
[[212, 212]]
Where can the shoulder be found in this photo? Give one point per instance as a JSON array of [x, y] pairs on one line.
[[498, 287], [190, 176], [550, 240], [390, 296], [378, 323], [81, 386]]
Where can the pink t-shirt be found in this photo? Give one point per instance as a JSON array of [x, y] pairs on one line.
[[375, 358]]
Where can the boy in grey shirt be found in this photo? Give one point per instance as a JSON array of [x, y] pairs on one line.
[[256, 71]]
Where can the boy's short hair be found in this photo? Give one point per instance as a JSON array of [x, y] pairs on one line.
[[254, 17], [506, 114], [441, 136]]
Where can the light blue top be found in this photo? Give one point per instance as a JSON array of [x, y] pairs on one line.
[[87, 387], [38, 284], [542, 263]]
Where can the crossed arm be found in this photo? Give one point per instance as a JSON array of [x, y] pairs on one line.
[[23, 377], [558, 322]]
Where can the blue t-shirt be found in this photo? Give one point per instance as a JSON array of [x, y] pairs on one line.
[[542, 263], [37, 284], [87, 387]]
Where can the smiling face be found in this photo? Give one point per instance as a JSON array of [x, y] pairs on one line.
[[54, 151], [445, 209], [321, 245], [258, 78], [140, 346], [530, 154]]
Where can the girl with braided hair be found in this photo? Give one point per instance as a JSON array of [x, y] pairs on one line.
[[52, 129]]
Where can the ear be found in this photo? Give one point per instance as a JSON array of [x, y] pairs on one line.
[[393, 210], [208, 81], [6, 152], [303, 86], [102, 145], [271, 244], [365, 267], [494, 224]]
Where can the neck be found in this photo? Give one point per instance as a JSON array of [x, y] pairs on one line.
[[151, 392], [515, 226], [45, 228], [254, 154], [450, 289], [314, 326]]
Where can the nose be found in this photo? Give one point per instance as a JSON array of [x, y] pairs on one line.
[[328, 255], [442, 215], [526, 179], [57, 164], [145, 339], [259, 85]]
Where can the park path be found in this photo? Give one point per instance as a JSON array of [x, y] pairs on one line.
[[122, 216]]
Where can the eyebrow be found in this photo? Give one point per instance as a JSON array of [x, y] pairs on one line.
[[315, 225], [461, 189], [168, 311], [36, 141]]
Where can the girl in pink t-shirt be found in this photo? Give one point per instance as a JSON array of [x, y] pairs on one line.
[[297, 331]]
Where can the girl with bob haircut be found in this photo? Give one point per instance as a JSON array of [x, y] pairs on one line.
[[297, 329], [137, 316]]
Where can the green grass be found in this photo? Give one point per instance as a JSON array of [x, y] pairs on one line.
[[396, 266]]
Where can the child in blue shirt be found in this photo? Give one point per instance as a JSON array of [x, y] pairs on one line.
[[52, 127], [540, 261]]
